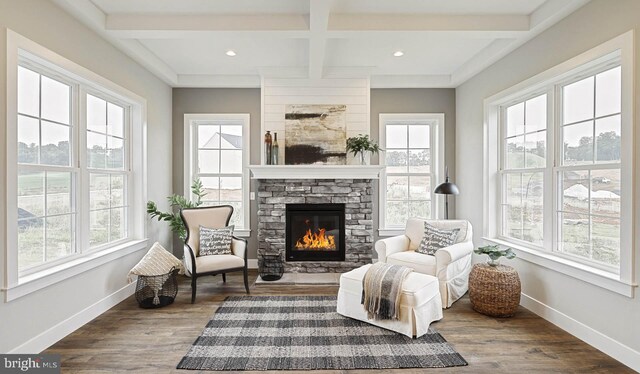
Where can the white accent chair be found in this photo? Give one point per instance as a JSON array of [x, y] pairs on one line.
[[195, 265], [451, 265]]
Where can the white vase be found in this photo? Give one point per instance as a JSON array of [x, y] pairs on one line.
[[363, 158]]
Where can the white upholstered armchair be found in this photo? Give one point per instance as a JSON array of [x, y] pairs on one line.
[[195, 265], [451, 265]]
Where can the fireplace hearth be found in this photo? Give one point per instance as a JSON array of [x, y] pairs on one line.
[[315, 232]]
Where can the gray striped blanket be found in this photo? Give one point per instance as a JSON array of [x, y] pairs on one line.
[[381, 290]]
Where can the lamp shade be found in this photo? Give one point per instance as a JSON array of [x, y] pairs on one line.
[[447, 188]]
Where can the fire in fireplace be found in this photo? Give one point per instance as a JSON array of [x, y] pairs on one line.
[[315, 232], [318, 240]]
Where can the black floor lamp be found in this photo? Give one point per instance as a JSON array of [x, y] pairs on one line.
[[447, 188]]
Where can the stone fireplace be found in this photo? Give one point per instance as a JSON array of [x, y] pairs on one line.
[[324, 214]]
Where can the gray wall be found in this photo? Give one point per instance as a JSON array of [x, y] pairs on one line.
[[416, 100], [583, 307], [30, 316], [247, 100], [216, 100]]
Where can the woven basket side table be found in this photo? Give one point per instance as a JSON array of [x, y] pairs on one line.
[[494, 290]]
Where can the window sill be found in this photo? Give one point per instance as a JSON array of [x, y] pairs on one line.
[[390, 232], [45, 278], [573, 269]]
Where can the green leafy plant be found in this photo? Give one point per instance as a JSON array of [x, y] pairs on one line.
[[494, 252], [361, 144], [177, 202]]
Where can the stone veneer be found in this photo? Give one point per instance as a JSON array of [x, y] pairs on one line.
[[356, 194]]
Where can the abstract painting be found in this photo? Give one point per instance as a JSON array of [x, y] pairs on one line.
[[315, 134]]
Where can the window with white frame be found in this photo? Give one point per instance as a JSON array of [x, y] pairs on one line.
[[564, 181], [523, 173], [108, 172], [63, 216], [217, 153], [588, 209], [47, 171], [412, 162]]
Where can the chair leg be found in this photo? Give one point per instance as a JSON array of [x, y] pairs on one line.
[[224, 278], [246, 280], [193, 288]]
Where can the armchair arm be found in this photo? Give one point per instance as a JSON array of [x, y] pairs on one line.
[[239, 248], [189, 261], [447, 255], [389, 246]]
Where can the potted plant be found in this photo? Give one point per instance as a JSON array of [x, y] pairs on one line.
[[177, 202], [360, 145], [494, 252]]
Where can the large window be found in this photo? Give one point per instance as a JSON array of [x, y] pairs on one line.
[[585, 174], [588, 210], [106, 162], [216, 153], [524, 162], [71, 173], [564, 178], [53, 173], [46, 172], [411, 158]]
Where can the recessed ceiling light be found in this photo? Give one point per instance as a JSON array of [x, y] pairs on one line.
[[398, 53], [230, 53]]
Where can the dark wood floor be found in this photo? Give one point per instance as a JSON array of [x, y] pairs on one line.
[[129, 339]]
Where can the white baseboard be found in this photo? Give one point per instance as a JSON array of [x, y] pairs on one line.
[[252, 263], [47, 338], [611, 347]]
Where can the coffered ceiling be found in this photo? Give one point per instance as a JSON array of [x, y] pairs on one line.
[[444, 43]]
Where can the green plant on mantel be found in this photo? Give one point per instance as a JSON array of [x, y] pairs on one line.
[[176, 203], [360, 145], [494, 252]]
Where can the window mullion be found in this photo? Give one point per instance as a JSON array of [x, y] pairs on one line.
[[550, 180], [83, 196]]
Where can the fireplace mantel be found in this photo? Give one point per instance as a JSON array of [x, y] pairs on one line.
[[315, 171]]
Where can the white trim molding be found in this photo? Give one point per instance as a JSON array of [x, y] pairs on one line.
[[49, 337], [598, 340], [315, 171]]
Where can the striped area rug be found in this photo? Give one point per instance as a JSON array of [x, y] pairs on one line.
[[306, 333]]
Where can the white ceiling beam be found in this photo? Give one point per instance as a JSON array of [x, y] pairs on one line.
[[319, 11], [552, 11], [288, 72], [95, 19], [428, 22], [548, 14], [208, 34], [348, 71], [153, 26], [204, 22], [467, 34], [483, 59]]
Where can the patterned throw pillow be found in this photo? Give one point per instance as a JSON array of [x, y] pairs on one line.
[[435, 238], [215, 241]]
